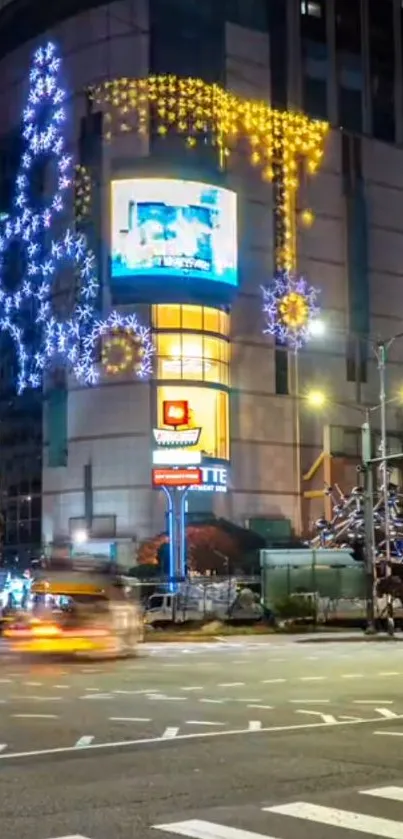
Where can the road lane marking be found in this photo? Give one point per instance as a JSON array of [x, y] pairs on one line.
[[327, 718], [309, 701], [203, 722], [273, 681], [192, 688], [386, 713], [3, 746], [170, 732], [389, 673], [36, 716], [62, 687], [373, 701], [163, 698], [84, 741], [6, 681], [213, 701], [390, 793], [352, 675], [390, 733], [144, 741], [31, 698], [33, 684], [231, 685], [130, 719], [331, 816], [263, 707], [312, 678], [98, 696], [254, 725], [199, 829]]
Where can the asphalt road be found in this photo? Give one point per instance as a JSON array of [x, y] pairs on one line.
[[201, 739]]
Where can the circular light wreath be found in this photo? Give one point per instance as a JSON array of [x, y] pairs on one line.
[[122, 324], [127, 349], [290, 306]]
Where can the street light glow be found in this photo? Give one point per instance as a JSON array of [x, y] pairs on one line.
[[317, 328], [316, 398], [80, 537]]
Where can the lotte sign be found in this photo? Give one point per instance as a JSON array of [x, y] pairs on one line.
[[176, 477]]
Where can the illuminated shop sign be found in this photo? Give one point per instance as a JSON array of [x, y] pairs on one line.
[[167, 227], [214, 478], [176, 457], [175, 412], [176, 477], [171, 437]]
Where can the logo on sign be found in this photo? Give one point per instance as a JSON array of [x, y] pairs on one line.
[[175, 412], [214, 479], [165, 437]]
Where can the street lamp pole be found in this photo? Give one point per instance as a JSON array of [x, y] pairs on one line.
[[366, 455]]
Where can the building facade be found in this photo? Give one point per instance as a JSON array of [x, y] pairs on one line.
[[335, 61]]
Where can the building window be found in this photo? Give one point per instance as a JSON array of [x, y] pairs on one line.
[[208, 410], [192, 356], [195, 318], [349, 65], [382, 69]]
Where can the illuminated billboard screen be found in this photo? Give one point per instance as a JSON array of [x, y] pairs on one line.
[[164, 228]]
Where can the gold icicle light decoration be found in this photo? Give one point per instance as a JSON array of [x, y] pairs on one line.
[[195, 109]]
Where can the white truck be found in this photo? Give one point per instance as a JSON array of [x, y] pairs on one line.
[[218, 601]]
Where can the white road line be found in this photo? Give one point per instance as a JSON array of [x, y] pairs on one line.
[[390, 793], [84, 741], [254, 725], [203, 722], [327, 718], [3, 746], [333, 817], [33, 684], [94, 690], [6, 681], [199, 829], [25, 698], [389, 733], [231, 684], [192, 688], [61, 687], [213, 701], [373, 701], [98, 696], [35, 716], [352, 676], [170, 732], [386, 713], [389, 673], [309, 701], [312, 678], [161, 697], [273, 681], [144, 741], [263, 707], [129, 719]]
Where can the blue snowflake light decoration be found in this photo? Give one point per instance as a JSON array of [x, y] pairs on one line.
[[290, 306], [66, 340]]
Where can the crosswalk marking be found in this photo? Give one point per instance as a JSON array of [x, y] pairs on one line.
[[199, 829], [373, 825], [390, 793]]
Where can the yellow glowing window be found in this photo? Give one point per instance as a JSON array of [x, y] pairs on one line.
[[208, 409], [192, 318], [193, 357], [195, 318]]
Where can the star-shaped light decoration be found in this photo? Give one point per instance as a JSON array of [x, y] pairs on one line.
[[290, 307]]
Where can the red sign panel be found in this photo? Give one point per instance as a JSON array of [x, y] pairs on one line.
[[176, 412], [177, 477]]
